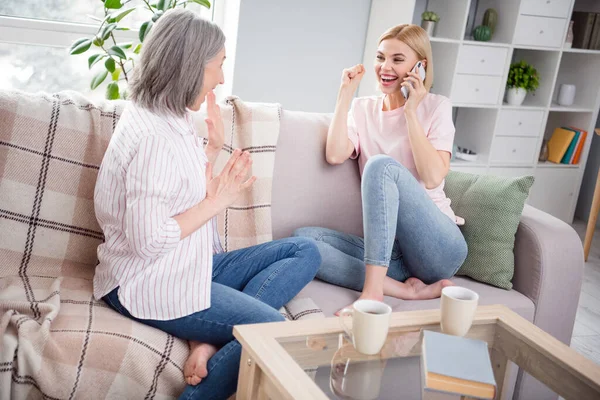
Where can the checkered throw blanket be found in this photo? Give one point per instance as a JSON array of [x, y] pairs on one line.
[[56, 341]]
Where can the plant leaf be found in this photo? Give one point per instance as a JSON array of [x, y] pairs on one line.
[[117, 51], [112, 91], [80, 46], [94, 59], [110, 64], [126, 45], [113, 4], [115, 75], [123, 29], [98, 79], [107, 30], [118, 16], [138, 48], [161, 5], [145, 29], [204, 3]]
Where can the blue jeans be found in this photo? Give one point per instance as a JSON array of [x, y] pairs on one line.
[[249, 286], [404, 230]]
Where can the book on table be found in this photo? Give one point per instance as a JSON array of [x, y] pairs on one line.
[[456, 366]]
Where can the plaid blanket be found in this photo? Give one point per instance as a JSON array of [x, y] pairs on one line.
[[253, 128], [56, 341]]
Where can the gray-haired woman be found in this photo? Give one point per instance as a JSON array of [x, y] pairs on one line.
[[156, 200]]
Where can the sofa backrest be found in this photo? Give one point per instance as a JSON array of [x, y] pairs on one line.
[[51, 147], [307, 191]]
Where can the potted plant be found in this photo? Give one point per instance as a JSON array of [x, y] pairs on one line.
[[119, 58], [522, 78], [429, 21]]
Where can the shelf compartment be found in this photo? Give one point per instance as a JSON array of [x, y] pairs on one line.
[[474, 131], [507, 17], [452, 16], [546, 63], [444, 60], [557, 119], [580, 69]]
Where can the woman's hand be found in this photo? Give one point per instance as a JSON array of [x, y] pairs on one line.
[[416, 91], [226, 188], [214, 123], [351, 77]]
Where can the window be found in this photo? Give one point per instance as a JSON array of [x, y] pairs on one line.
[[35, 36]]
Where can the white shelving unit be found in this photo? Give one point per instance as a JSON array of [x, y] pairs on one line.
[[473, 75]]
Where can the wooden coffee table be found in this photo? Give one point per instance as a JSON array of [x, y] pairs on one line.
[[276, 355]]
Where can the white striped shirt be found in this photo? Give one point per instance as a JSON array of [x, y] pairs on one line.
[[153, 170]]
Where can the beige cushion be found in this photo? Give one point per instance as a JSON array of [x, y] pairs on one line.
[[306, 190]]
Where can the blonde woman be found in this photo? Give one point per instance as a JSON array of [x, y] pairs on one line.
[[412, 243], [156, 200]]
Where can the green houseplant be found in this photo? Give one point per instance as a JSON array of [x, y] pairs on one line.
[[522, 78], [119, 58], [429, 20]]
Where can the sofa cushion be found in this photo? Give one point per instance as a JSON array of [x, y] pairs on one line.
[[306, 190], [492, 207]]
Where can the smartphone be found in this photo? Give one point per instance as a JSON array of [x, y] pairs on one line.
[[419, 69]]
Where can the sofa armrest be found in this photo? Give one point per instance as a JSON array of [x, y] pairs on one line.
[[549, 270]]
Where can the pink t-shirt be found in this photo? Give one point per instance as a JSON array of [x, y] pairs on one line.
[[374, 131]]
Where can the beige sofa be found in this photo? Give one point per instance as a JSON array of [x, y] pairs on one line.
[[50, 148], [309, 192]]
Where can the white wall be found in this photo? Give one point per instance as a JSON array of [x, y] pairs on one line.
[[293, 52], [384, 15]]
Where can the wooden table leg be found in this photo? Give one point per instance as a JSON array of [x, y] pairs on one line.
[[249, 378], [591, 225], [499, 366]]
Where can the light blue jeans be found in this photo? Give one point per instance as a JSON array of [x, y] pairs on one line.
[[404, 230], [249, 286]]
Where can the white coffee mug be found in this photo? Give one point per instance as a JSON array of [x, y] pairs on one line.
[[370, 325], [566, 95], [458, 306]]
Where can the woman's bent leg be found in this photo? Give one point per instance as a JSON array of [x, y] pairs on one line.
[[229, 307]]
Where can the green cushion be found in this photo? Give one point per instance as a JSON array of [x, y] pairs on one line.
[[492, 207]]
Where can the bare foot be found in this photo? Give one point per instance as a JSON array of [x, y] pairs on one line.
[[195, 366], [421, 291], [363, 296]]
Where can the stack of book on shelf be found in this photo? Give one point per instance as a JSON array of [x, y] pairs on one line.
[[565, 145], [453, 367], [586, 30]]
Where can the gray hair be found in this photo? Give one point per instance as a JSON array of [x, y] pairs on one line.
[[169, 76]]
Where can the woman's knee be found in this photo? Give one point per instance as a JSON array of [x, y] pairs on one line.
[[378, 164], [309, 251], [381, 166]]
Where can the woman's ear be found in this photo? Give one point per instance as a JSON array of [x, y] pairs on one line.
[[424, 62]]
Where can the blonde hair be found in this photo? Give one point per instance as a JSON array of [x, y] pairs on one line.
[[416, 38]]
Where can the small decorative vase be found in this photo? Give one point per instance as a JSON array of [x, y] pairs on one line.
[[544, 151], [515, 96], [566, 95], [490, 19], [429, 27], [569, 38], [482, 33]]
